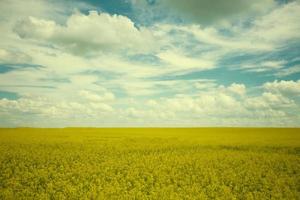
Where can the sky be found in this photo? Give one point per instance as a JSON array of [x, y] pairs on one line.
[[119, 63]]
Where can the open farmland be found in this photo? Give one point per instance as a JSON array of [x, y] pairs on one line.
[[150, 163]]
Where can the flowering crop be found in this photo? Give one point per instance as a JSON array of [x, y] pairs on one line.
[[208, 163]]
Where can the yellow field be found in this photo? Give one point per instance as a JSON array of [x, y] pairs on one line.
[[209, 163]]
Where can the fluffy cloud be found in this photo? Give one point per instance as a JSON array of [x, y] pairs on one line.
[[269, 101], [285, 87], [32, 27], [224, 107], [217, 106], [43, 111], [88, 33], [91, 96], [239, 89]]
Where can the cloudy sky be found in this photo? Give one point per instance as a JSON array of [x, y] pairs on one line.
[[149, 63]]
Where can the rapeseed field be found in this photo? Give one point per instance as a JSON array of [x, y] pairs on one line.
[[150, 163]]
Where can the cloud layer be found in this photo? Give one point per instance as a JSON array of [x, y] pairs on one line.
[[221, 106], [191, 63]]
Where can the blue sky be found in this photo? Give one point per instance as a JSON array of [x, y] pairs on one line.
[[149, 63]]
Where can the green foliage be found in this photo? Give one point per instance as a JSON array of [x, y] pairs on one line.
[[149, 164]]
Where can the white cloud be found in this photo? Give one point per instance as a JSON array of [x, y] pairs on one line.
[[182, 62], [14, 10], [32, 27], [265, 33], [288, 71], [273, 64], [54, 109], [218, 106], [90, 33], [11, 10], [270, 65], [289, 87], [278, 26], [212, 36], [94, 97], [239, 89], [101, 106], [205, 84], [13, 57], [269, 101]]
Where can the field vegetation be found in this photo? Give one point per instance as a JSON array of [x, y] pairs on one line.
[[133, 163]]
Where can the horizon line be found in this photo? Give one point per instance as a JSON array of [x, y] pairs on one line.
[[161, 127]]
